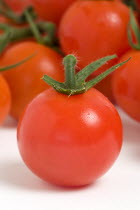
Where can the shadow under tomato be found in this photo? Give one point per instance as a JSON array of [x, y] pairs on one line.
[[131, 136], [10, 123], [18, 176]]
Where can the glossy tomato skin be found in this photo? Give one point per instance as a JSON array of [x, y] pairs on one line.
[[126, 85], [25, 80], [51, 10], [18, 5], [5, 99], [102, 32], [70, 141]]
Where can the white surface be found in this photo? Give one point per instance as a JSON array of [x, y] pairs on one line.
[[119, 189]]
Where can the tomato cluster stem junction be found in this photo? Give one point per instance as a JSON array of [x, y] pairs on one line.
[[44, 32], [75, 83], [12, 34]]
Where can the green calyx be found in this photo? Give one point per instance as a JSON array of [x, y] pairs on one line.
[[7, 12], [75, 83], [133, 28]]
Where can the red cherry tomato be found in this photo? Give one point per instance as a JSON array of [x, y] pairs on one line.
[[103, 30], [51, 10], [25, 80], [5, 99], [70, 141], [126, 85], [18, 5]]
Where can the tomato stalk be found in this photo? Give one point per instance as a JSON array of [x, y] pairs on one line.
[[6, 68], [75, 83], [50, 29], [6, 11], [70, 80], [43, 32], [133, 27], [13, 34]]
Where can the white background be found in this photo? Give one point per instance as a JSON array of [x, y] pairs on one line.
[[119, 189]]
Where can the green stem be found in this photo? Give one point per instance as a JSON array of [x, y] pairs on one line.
[[13, 34], [48, 27], [69, 64], [2, 69], [133, 27], [4, 41], [33, 27], [50, 39]]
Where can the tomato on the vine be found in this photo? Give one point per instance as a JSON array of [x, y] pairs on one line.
[[24, 81], [51, 10], [103, 31], [126, 85], [70, 136]]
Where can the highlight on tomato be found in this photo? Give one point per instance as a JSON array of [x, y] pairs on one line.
[[72, 134], [125, 82], [24, 80]]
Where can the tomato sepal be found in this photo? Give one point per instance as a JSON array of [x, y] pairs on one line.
[[76, 83]]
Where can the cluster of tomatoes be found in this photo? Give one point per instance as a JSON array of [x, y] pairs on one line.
[[69, 134]]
